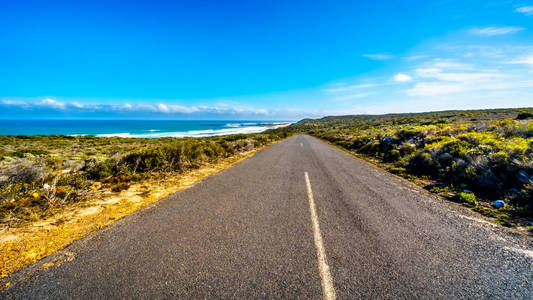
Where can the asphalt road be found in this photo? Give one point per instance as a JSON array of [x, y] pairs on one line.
[[249, 232]]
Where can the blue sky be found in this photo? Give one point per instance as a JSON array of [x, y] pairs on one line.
[[278, 60]]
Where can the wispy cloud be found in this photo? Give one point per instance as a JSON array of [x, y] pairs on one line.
[[448, 75], [77, 105], [400, 77], [160, 108], [528, 60], [173, 108], [415, 57], [444, 88], [378, 56], [437, 73], [16, 103], [526, 10], [348, 91], [495, 30], [434, 89], [451, 63], [52, 103], [482, 73], [457, 71]]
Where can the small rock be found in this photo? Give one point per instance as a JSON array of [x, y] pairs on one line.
[[498, 204]]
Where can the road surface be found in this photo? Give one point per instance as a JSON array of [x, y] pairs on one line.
[[300, 219]]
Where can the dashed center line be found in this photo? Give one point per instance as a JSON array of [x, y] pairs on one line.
[[327, 282], [301, 144]]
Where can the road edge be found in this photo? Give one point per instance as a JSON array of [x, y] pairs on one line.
[[63, 254]]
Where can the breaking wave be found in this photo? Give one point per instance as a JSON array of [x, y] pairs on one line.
[[241, 128]]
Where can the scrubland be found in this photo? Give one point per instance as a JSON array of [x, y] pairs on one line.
[[472, 157], [56, 189], [42, 172]]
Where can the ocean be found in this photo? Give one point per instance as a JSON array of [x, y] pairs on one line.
[[134, 128]]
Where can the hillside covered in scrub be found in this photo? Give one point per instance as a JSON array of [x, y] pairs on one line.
[[475, 156], [40, 174]]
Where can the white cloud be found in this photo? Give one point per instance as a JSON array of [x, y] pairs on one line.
[[16, 103], [200, 109], [139, 107], [415, 57], [164, 108], [526, 10], [469, 76], [477, 86], [173, 108], [437, 73], [77, 105], [484, 73], [454, 73], [378, 56], [495, 30], [434, 89], [451, 64], [528, 60], [428, 72], [49, 102], [400, 77]]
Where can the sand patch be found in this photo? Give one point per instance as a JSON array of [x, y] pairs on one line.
[[8, 238], [88, 211]]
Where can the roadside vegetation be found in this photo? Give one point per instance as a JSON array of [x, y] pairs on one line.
[[57, 189], [40, 173], [473, 157]]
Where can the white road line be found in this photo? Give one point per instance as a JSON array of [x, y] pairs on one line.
[[301, 144], [327, 282]]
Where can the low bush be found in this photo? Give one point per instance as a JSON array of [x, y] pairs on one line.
[[487, 151], [467, 198], [32, 179], [23, 173], [524, 116]]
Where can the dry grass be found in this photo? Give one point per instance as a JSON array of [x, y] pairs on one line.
[[33, 241]]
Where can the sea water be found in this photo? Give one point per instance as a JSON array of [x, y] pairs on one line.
[[134, 128]]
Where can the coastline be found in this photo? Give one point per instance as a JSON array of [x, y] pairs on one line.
[[28, 241], [136, 128], [202, 133]]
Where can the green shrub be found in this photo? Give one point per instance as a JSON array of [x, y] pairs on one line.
[[468, 198], [24, 152], [524, 116], [422, 163], [394, 155], [504, 219], [397, 170], [99, 170], [482, 150], [23, 173], [457, 148]]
